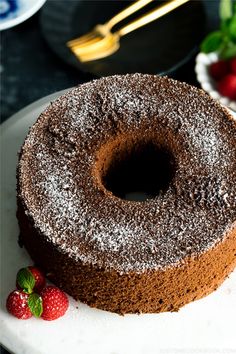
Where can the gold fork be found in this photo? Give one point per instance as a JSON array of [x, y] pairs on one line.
[[100, 31], [101, 42]]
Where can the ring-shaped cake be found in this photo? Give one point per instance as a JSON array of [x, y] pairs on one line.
[[89, 151]]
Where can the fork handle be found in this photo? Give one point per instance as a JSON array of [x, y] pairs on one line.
[[149, 17], [137, 5]]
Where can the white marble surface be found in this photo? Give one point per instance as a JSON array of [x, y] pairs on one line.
[[204, 326]]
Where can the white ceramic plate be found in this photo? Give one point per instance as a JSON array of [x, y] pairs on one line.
[[204, 326], [13, 12], [203, 61]]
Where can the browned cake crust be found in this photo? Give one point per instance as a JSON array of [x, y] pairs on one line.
[[126, 256]]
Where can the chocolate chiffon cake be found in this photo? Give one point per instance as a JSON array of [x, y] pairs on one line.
[[83, 158]]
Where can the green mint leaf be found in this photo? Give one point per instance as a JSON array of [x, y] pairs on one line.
[[25, 280], [232, 28], [35, 304], [225, 26], [212, 42], [225, 9], [228, 51], [234, 7]]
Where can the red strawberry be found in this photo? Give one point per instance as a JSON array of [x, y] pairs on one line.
[[233, 65], [55, 303], [40, 280], [24, 281], [219, 69], [227, 86], [17, 305]]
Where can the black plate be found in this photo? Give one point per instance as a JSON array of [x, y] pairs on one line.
[[158, 48]]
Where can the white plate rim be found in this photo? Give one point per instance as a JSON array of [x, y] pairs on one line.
[[22, 16]]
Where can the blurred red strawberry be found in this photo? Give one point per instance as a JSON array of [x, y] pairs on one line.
[[227, 86], [219, 69], [233, 65]]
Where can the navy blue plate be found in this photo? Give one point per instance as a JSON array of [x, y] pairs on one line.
[[158, 48]]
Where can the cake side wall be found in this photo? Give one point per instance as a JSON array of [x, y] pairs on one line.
[[149, 292]]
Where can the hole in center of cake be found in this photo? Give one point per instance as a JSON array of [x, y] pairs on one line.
[[139, 171]]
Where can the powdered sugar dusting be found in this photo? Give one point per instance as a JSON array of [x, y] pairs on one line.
[[77, 215]]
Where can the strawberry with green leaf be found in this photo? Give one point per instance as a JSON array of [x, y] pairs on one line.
[[223, 41], [25, 302], [30, 279], [17, 305], [34, 298]]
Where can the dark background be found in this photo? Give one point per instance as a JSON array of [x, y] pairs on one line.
[[30, 70]]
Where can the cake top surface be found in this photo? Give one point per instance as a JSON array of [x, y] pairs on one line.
[[63, 195]]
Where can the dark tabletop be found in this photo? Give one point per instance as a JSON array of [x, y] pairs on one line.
[[30, 70]]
